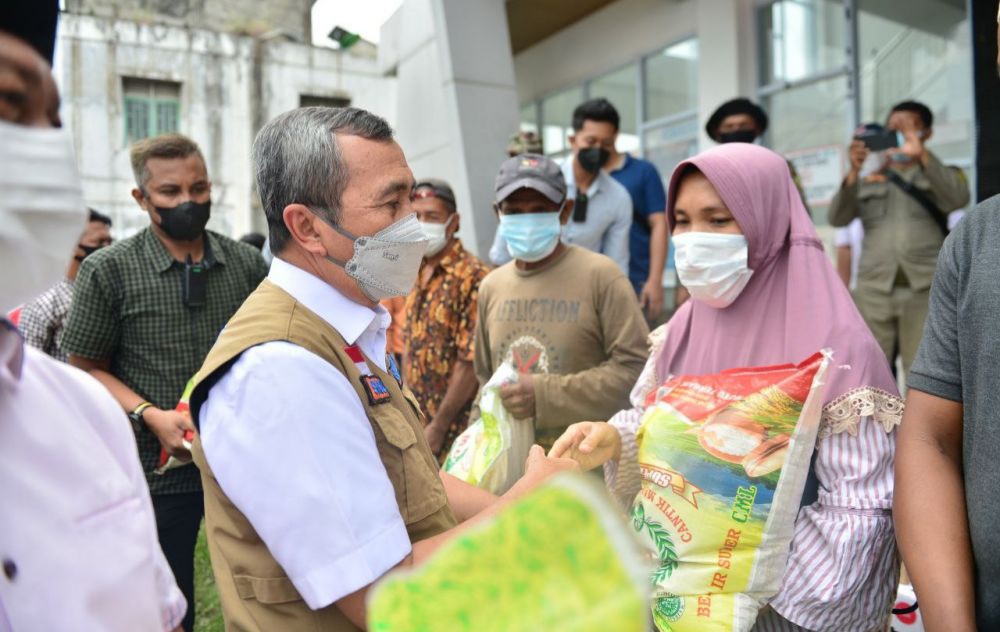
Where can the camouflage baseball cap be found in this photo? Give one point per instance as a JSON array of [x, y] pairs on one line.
[[531, 171], [524, 143]]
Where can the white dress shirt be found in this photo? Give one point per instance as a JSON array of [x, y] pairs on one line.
[[289, 442], [77, 533]]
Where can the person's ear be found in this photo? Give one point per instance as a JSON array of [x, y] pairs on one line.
[[572, 141], [496, 209], [139, 198], [301, 225], [927, 134], [455, 222], [567, 211]]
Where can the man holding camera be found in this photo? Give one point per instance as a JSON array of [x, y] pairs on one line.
[[903, 195]]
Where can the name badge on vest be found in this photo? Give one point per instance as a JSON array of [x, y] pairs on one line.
[[373, 385]]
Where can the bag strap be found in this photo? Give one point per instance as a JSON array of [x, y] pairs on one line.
[[936, 213]]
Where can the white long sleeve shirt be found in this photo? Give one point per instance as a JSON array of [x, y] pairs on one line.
[[77, 533]]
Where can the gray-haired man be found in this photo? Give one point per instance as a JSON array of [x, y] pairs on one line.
[[318, 479]]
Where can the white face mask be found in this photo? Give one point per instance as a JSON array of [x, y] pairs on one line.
[[712, 266], [42, 212], [437, 234], [385, 264]]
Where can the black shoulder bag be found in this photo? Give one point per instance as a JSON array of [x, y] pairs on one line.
[[914, 192]]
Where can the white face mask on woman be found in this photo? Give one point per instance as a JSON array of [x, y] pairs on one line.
[[42, 212], [712, 266]]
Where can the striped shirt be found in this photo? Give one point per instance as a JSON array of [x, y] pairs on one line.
[[843, 568]]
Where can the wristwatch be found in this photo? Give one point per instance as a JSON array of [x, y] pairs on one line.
[[136, 416]]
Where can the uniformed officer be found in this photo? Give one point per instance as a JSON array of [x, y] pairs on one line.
[[318, 479], [903, 203]]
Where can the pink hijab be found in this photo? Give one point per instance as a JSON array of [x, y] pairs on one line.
[[794, 305]]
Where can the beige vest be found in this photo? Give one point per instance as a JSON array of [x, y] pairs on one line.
[[254, 591]]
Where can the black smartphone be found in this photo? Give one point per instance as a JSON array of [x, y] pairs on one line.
[[879, 140], [195, 284]]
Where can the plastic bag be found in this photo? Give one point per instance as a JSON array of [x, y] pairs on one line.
[[491, 452], [560, 560], [724, 459]]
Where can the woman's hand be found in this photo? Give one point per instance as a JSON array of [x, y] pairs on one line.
[[589, 443]]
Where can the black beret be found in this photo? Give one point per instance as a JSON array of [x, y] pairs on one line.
[[735, 106], [33, 21]]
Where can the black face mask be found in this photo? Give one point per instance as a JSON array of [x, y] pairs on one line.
[[87, 251], [593, 158], [739, 136], [185, 222]]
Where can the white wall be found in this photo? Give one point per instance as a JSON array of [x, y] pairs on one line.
[[220, 76], [456, 99], [607, 39], [627, 30]]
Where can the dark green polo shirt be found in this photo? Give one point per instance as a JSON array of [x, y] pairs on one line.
[[128, 308]]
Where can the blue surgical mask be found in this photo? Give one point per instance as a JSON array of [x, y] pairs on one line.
[[531, 236]]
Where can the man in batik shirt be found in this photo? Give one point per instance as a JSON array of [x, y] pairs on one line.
[[441, 320]]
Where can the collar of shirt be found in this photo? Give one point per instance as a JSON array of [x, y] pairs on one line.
[[162, 260], [357, 323], [595, 186], [625, 164], [11, 352]]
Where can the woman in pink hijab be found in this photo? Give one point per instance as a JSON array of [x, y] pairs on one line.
[[764, 293]]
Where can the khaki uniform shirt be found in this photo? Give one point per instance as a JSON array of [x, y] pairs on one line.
[[900, 234]]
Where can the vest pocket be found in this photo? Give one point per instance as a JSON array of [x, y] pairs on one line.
[[269, 590], [412, 470]]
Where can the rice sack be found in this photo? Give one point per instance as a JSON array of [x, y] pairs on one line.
[[724, 459]]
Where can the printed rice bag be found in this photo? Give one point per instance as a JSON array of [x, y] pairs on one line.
[[724, 459], [560, 560], [166, 461], [491, 452]]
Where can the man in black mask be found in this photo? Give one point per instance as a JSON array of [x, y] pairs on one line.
[[741, 120], [145, 313]]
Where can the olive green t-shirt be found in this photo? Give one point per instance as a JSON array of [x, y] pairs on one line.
[[574, 324]]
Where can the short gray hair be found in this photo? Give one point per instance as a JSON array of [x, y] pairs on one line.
[[297, 160]]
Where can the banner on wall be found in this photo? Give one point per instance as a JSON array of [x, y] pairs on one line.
[[820, 170]]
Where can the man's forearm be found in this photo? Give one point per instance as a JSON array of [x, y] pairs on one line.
[[931, 524], [462, 387], [466, 500], [844, 207], [126, 397], [657, 252]]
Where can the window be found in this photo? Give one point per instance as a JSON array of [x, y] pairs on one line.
[[801, 38], [309, 100], [151, 107], [672, 80], [925, 56], [557, 120], [621, 88], [922, 53], [529, 117]]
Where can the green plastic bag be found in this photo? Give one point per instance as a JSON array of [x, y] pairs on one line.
[[491, 452], [561, 560]]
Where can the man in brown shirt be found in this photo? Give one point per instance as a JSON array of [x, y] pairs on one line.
[[441, 320], [566, 318], [902, 234]]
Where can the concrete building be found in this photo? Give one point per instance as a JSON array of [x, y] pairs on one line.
[[820, 67], [215, 70]]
